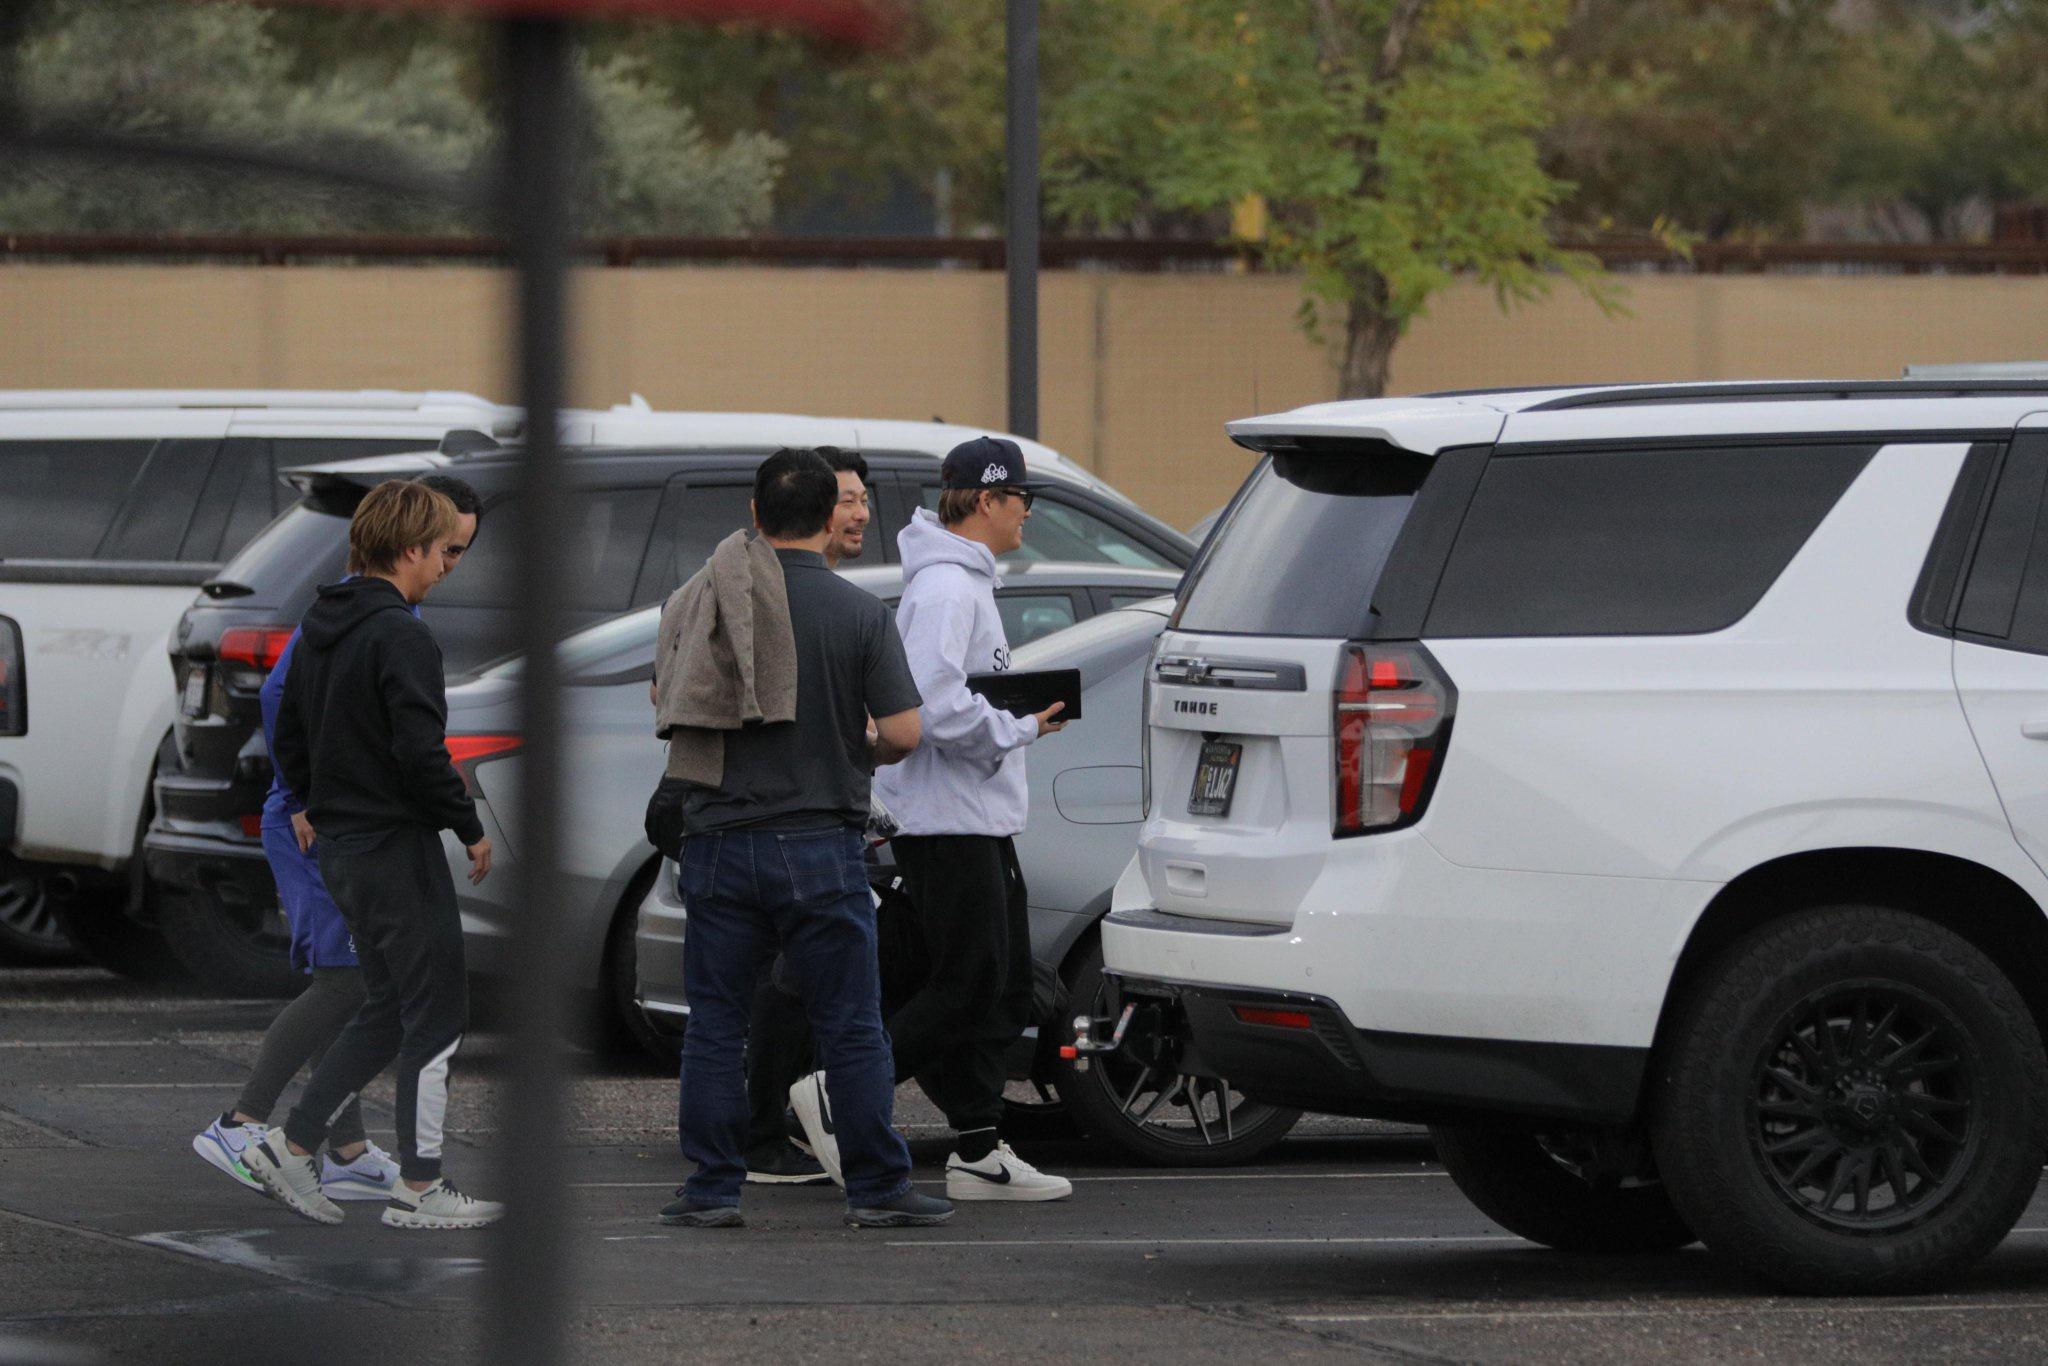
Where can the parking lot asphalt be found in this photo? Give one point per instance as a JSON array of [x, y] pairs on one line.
[[1347, 1243]]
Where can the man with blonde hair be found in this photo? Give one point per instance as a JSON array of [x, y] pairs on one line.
[[362, 737]]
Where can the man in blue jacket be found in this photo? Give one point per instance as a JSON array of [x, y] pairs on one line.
[[353, 1168]]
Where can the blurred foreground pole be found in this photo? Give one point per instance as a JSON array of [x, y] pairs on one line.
[[1020, 142], [526, 1294]]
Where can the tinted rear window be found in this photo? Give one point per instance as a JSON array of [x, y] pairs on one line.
[[1633, 541], [62, 495], [1304, 546]]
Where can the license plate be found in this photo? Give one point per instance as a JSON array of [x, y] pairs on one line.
[[1215, 778], [195, 692]]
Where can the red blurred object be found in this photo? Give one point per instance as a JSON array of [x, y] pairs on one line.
[[256, 646], [470, 750], [252, 825], [864, 22]]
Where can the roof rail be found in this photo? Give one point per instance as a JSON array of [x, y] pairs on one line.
[[1791, 390], [1994, 369]]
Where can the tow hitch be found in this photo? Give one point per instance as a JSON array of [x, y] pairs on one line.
[[1085, 1043]]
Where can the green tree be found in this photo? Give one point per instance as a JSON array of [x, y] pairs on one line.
[[228, 72], [1393, 143]]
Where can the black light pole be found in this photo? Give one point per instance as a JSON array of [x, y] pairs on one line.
[[1020, 141], [527, 1290]]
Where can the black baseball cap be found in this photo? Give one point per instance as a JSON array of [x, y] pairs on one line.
[[986, 462]]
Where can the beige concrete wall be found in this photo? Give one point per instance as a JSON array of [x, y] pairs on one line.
[[1139, 371]]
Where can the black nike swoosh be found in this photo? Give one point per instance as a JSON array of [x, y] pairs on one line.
[[825, 1111], [1001, 1180]]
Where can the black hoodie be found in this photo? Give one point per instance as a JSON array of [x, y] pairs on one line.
[[362, 729]]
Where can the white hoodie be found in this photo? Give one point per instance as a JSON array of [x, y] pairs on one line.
[[967, 776]]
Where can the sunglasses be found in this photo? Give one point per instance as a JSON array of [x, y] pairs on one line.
[[1026, 494]]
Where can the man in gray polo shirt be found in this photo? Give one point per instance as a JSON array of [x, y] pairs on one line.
[[772, 859]]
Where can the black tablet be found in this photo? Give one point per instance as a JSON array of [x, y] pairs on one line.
[[1026, 692]]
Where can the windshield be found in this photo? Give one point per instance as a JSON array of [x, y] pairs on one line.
[[1303, 548]]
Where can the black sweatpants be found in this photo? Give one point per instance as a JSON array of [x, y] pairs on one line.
[[954, 1034], [398, 898], [303, 1032]]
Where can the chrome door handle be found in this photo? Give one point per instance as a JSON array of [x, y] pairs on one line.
[[2034, 730]]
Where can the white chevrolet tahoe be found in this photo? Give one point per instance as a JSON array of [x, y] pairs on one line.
[[114, 507], [1647, 788]]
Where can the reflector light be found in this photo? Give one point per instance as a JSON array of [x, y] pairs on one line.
[[252, 825], [1278, 1019], [257, 646]]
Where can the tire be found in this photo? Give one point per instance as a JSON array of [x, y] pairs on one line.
[[1040, 1116], [1853, 1100], [96, 920], [230, 951], [622, 1026], [29, 933], [1137, 1100], [1530, 1185]]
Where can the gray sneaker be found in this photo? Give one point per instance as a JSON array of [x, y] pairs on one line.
[[908, 1210], [292, 1179], [438, 1206]]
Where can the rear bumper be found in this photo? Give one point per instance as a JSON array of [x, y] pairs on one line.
[[1321, 1061], [230, 868]]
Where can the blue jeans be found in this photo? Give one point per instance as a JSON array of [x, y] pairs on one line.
[[805, 892]]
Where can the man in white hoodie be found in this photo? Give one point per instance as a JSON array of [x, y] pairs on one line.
[[959, 798]]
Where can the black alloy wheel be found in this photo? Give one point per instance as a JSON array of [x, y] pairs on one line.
[[1864, 1112], [1143, 1100], [1851, 1100], [29, 932]]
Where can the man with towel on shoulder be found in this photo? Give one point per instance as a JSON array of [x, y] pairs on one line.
[[768, 668]]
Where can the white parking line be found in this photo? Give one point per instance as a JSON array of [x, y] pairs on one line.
[[152, 1085], [90, 1043], [1419, 1239], [1077, 1180], [1687, 1308], [1199, 1242]]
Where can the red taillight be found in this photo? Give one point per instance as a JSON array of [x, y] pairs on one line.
[[1392, 720], [1279, 1019], [470, 750], [256, 646], [252, 826]]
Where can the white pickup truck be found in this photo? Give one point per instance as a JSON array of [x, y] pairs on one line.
[[114, 507]]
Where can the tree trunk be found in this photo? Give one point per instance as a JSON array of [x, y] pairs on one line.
[[1369, 338]]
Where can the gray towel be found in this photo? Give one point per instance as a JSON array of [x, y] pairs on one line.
[[726, 656]]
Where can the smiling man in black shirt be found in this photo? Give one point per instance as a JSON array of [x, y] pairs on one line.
[[772, 858]]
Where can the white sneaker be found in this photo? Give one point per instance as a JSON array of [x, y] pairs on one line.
[[293, 1179], [814, 1111], [371, 1176], [1002, 1175], [222, 1145], [438, 1206]]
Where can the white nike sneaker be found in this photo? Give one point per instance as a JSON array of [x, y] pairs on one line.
[[222, 1145], [814, 1111], [371, 1176], [292, 1179], [1002, 1175], [438, 1206]]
